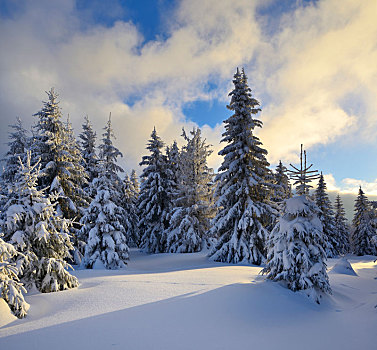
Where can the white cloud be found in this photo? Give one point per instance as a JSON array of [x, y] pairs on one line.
[[321, 74], [98, 70], [318, 75]]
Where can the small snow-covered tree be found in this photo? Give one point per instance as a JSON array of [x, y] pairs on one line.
[[326, 215], [295, 249], [193, 206], [135, 183], [39, 233], [88, 150], [296, 254], [102, 225], [364, 236], [341, 227], [242, 186], [282, 187], [154, 200], [11, 290]]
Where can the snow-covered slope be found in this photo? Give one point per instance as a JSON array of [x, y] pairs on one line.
[[182, 301]]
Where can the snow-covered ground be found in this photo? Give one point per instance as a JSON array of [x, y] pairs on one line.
[[182, 301]]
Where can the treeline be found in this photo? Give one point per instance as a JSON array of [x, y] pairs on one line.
[[63, 202]]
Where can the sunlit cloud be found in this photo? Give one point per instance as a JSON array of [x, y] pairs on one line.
[[316, 77]]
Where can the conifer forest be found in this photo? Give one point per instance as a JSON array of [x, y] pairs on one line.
[[67, 208]]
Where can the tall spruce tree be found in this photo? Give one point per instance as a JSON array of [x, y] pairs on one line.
[[88, 150], [326, 215], [61, 172], [242, 187], [295, 246], [193, 206], [341, 227], [109, 158], [154, 200], [108, 221], [74, 185], [39, 233], [364, 236]]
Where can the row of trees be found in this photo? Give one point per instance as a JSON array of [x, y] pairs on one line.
[[63, 201]]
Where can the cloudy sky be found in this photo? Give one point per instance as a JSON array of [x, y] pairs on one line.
[[311, 64]]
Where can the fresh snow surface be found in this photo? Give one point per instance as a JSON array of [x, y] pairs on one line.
[[344, 267], [183, 301]]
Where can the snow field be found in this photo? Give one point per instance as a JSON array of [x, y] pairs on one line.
[[183, 301]]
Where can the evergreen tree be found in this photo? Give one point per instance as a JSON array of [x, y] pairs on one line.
[[295, 249], [364, 238], [39, 233], [242, 187], [108, 223], [135, 184], [18, 144], [17, 149], [88, 150], [102, 225], [282, 187], [192, 207], [341, 227], [296, 253], [326, 215], [132, 219], [109, 157], [78, 177], [61, 172], [11, 290], [154, 201]]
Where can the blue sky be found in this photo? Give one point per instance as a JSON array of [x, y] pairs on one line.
[[170, 64]]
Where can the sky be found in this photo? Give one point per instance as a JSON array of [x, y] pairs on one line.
[[170, 64]]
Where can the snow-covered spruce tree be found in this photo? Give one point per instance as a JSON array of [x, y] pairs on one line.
[[109, 158], [364, 240], [61, 171], [193, 206], [88, 150], [154, 202], [132, 219], [326, 215], [341, 227], [103, 225], [296, 254], [135, 183], [11, 290], [173, 165], [39, 233], [242, 187], [282, 187], [295, 249], [18, 144]]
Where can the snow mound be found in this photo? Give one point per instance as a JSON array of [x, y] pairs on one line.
[[343, 267], [6, 315]]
